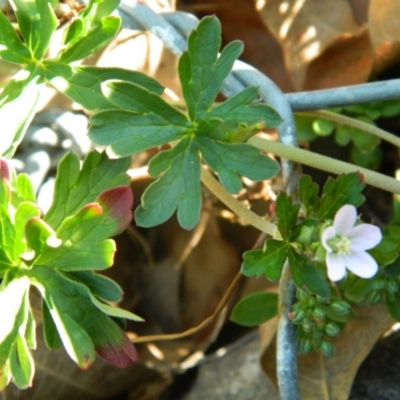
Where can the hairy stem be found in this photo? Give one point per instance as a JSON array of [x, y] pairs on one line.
[[326, 163]]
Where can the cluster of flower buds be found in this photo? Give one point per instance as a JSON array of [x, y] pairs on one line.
[[383, 286], [318, 320]]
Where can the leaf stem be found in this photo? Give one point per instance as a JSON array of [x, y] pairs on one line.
[[286, 340], [244, 213], [355, 123], [326, 163]]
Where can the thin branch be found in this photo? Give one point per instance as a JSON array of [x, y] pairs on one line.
[[202, 325], [345, 96], [326, 163], [355, 123], [244, 213], [286, 340]]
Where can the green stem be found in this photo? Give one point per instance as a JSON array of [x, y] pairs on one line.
[[326, 163], [355, 123], [244, 213]]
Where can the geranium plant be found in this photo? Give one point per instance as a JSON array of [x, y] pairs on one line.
[[319, 239]]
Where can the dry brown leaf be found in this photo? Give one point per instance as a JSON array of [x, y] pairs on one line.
[[327, 33], [331, 378], [385, 32]]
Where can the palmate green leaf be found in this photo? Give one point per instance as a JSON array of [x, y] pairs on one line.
[[92, 41], [18, 104], [77, 186], [22, 190], [177, 188], [5, 376], [82, 84], [255, 309], [12, 49], [201, 71], [346, 189], [230, 160], [81, 325], [268, 262], [22, 365]]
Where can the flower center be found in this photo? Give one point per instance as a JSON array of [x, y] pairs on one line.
[[340, 245]]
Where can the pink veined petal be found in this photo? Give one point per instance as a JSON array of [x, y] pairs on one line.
[[336, 267], [345, 219], [327, 234], [361, 264], [365, 236]]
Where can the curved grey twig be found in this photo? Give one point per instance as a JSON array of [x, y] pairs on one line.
[[345, 95]]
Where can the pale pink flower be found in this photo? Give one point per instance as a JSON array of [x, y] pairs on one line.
[[345, 244]]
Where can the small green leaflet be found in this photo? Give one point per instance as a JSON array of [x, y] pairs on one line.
[[287, 213], [346, 189], [93, 40], [12, 49], [255, 309], [268, 262], [214, 135]]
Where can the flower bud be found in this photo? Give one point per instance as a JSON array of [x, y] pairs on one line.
[[379, 284], [302, 294], [327, 348], [318, 313], [307, 325], [331, 329], [375, 297], [392, 286], [340, 307], [298, 316], [304, 345]]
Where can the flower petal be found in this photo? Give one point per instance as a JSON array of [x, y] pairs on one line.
[[345, 219], [361, 264], [336, 267], [365, 236], [328, 233]]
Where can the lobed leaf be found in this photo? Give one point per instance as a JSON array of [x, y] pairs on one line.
[[75, 187], [201, 71], [177, 188], [346, 189], [255, 309], [268, 262]]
